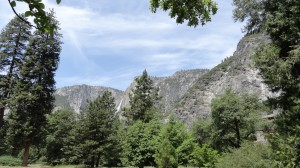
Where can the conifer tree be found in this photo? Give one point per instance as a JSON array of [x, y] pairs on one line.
[[13, 40], [142, 100], [59, 131], [33, 93], [98, 124]]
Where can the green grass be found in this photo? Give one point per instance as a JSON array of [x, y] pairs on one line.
[[42, 166], [61, 166]]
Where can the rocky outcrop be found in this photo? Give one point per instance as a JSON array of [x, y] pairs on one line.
[[236, 72], [77, 97], [171, 88]]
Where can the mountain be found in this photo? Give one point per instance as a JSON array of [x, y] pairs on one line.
[[236, 72], [77, 97], [170, 89], [187, 93]]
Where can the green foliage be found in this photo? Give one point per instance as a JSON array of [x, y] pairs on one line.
[[141, 143], [252, 11], [3, 144], [60, 125], [142, 100], [97, 129], [32, 96], [282, 22], [281, 74], [174, 131], [279, 65], [201, 130], [185, 150], [195, 12], [166, 156], [36, 9], [9, 161], [13, 40], [285, 150], [250, 155], [234, 119], [204, 156]]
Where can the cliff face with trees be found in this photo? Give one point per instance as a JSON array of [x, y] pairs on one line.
[[237, 73]]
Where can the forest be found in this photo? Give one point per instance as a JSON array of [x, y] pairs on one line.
[[32, 133]]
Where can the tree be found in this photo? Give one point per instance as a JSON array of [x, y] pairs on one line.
[[279, 65], [233, 119], [98, 126], [204, 156], [193, 11], [201, 130], [13, 42], [60, 125], [141, 143], [33, 94], [185, 150], [166, 156], [252, 11], [36, 10], [142, 100], [174, 131]]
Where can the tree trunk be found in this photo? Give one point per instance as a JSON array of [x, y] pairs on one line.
[[93, 162], [98, 160], [1, 116], [237, 129], [26, 154]]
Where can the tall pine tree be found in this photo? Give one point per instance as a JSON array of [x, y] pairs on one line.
[[13, 40], [142, 100], [98, 125], [33, 93]]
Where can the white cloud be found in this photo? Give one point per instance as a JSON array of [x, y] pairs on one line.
[[110, 42]]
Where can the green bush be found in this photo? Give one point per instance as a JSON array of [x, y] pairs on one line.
[[249, 155], [9, 161]]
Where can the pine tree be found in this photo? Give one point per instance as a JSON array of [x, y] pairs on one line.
[[142, 100], [13, 42], [33, 93], [98, 124], [59, 129]]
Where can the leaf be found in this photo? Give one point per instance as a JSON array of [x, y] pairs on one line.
[[58, 1], [13, 3], [41, 5], [28, 13]]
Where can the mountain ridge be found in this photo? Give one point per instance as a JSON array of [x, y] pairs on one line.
[[188, 93]]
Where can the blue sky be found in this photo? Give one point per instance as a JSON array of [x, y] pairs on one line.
[[108, 43]]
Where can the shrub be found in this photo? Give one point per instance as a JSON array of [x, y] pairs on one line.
[[249, 155], [9, 161]]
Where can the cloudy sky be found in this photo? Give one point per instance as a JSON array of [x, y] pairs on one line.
[[108, 42]]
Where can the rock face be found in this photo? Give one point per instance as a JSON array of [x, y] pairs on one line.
[[186, 93], [77, 97], [236, 72], [170, 88]]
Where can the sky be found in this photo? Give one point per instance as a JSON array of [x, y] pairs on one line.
[[108, 43]]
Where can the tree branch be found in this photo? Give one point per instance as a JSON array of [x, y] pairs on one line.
[[20, 17]]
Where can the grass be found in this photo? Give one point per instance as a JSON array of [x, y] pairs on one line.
[[42, 166], [61, 166]]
